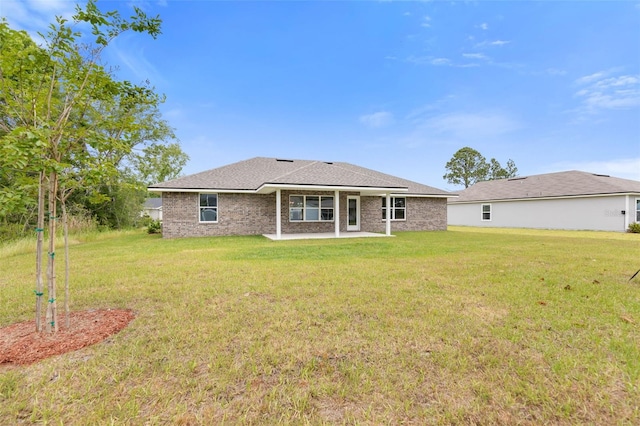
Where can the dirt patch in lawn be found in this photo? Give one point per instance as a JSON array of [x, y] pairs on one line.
[[20, 344]]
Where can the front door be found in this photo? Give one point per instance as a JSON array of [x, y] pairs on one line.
[[353, 211]]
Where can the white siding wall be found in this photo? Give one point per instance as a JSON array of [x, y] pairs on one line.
[[155, 214], [594, 213]]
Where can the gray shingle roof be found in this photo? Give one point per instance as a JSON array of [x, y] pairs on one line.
[[252, 174], [561, 184]]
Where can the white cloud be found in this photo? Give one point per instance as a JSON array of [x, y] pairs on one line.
[[471, 126], [377, 119], [474, 59], [440, 61], [426, 22], [457, 128], [475, 56], [132, 56], [430, 60], [600, 92], [488, 43], [35, 16], [626, 168], [484, 26], [555, 71], [593, 77]]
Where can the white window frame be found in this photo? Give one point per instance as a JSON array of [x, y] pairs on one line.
[[304, 209], [201, 208], [482, 212], [637, 210], [393, 209]]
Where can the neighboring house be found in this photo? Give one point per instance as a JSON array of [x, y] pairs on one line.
[[564, 200], [277, 196], [153, 208]]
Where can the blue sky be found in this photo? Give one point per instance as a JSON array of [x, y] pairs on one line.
[[394, 86]]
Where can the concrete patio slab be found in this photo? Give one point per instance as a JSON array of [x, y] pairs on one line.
[[324, 235]]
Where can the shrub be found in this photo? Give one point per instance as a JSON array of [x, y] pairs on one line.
[[145, 220], [12, 231], [154, 227], [634, 228]]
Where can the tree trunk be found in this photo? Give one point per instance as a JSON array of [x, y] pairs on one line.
[[39, 247], [52, 314], [65, 224]]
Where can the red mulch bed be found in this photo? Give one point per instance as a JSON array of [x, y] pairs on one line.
[[20, 344]]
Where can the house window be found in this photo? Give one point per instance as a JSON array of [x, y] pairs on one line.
[[310, 208], [398, 208], [208, 207], [638, 210], [486, 212]]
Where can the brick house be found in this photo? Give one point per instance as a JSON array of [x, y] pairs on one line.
[[277, 197]]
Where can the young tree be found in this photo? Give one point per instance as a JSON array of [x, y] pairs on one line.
[[52, 120]]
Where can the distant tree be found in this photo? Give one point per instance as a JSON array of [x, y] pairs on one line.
[[512, 170], [468, 166], [496, 171], [159, 163]]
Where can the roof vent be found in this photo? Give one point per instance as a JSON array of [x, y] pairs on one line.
[[596, 174], [328, 162], [284, 160], [517, 178]]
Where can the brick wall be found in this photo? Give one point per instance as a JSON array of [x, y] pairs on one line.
[[238, 214], [423, 214], [253, 214]]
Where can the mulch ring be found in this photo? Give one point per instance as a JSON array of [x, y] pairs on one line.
[[20, 344]]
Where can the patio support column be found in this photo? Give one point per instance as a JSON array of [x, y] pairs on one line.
[[278, 214], [388, 215], [336, 211]]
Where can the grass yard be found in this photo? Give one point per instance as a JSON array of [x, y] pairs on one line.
[[469, 326]]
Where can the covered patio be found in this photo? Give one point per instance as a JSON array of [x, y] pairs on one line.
[[352, 210]]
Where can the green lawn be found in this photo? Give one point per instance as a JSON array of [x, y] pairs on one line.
[[465, 326]]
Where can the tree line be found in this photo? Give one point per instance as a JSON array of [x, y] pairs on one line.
[[69, 128]]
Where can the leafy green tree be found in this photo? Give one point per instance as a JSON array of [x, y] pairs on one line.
[[65, 123], [159, 163], [512, 170], [466, 167], [496, 171]]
